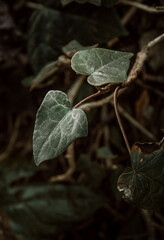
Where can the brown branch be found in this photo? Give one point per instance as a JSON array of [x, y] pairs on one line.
[[151, 88], [12, 140], [143, 7], [134, 122], [72, 92], [70, 155], [130, 13], [152, 78]]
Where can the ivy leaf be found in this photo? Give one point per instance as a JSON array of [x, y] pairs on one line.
[[56, 126], [143, 185], [47, 205], [102, 65], [44, 43]]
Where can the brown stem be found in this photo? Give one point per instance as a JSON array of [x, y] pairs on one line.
[[88, 98], [119, 119]]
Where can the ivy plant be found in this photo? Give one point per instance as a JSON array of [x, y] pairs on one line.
[[58, 124]]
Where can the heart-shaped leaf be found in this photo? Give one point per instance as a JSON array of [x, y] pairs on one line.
[[56, 126], [102, 65], [143, 184]]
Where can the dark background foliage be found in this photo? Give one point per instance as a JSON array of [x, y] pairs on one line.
[[87, 205]]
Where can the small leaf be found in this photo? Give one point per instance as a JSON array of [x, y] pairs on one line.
[[56, 126], [105, 152], [102, 65], [72, 47], [143, 185]]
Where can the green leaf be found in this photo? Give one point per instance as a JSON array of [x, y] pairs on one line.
[[143, 185], [102, 65], [41, 211], [94, 173], [56, 126], [50, 29]]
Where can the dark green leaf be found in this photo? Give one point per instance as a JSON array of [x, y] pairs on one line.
[[143, 185], [42, 211], [102, 65], [49, 30], [95, 174], [56, 126]]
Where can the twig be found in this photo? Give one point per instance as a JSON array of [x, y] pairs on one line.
[[156, 91], [140, 60], [70, 155], [119, 119], [156, 79], [134, 122], [72, 92], [12, 140], [88, 106], [142, 6], [149, 224], [129, 14]]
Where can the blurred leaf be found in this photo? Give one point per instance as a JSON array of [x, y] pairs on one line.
[[41, 211], [102, 65], [15, 169], [143, 184], [95, 2], [11, 171], [105, 152], [72, 47], [49, 30], [92, 169], [56, 126], [45, 37], [46, 72]]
